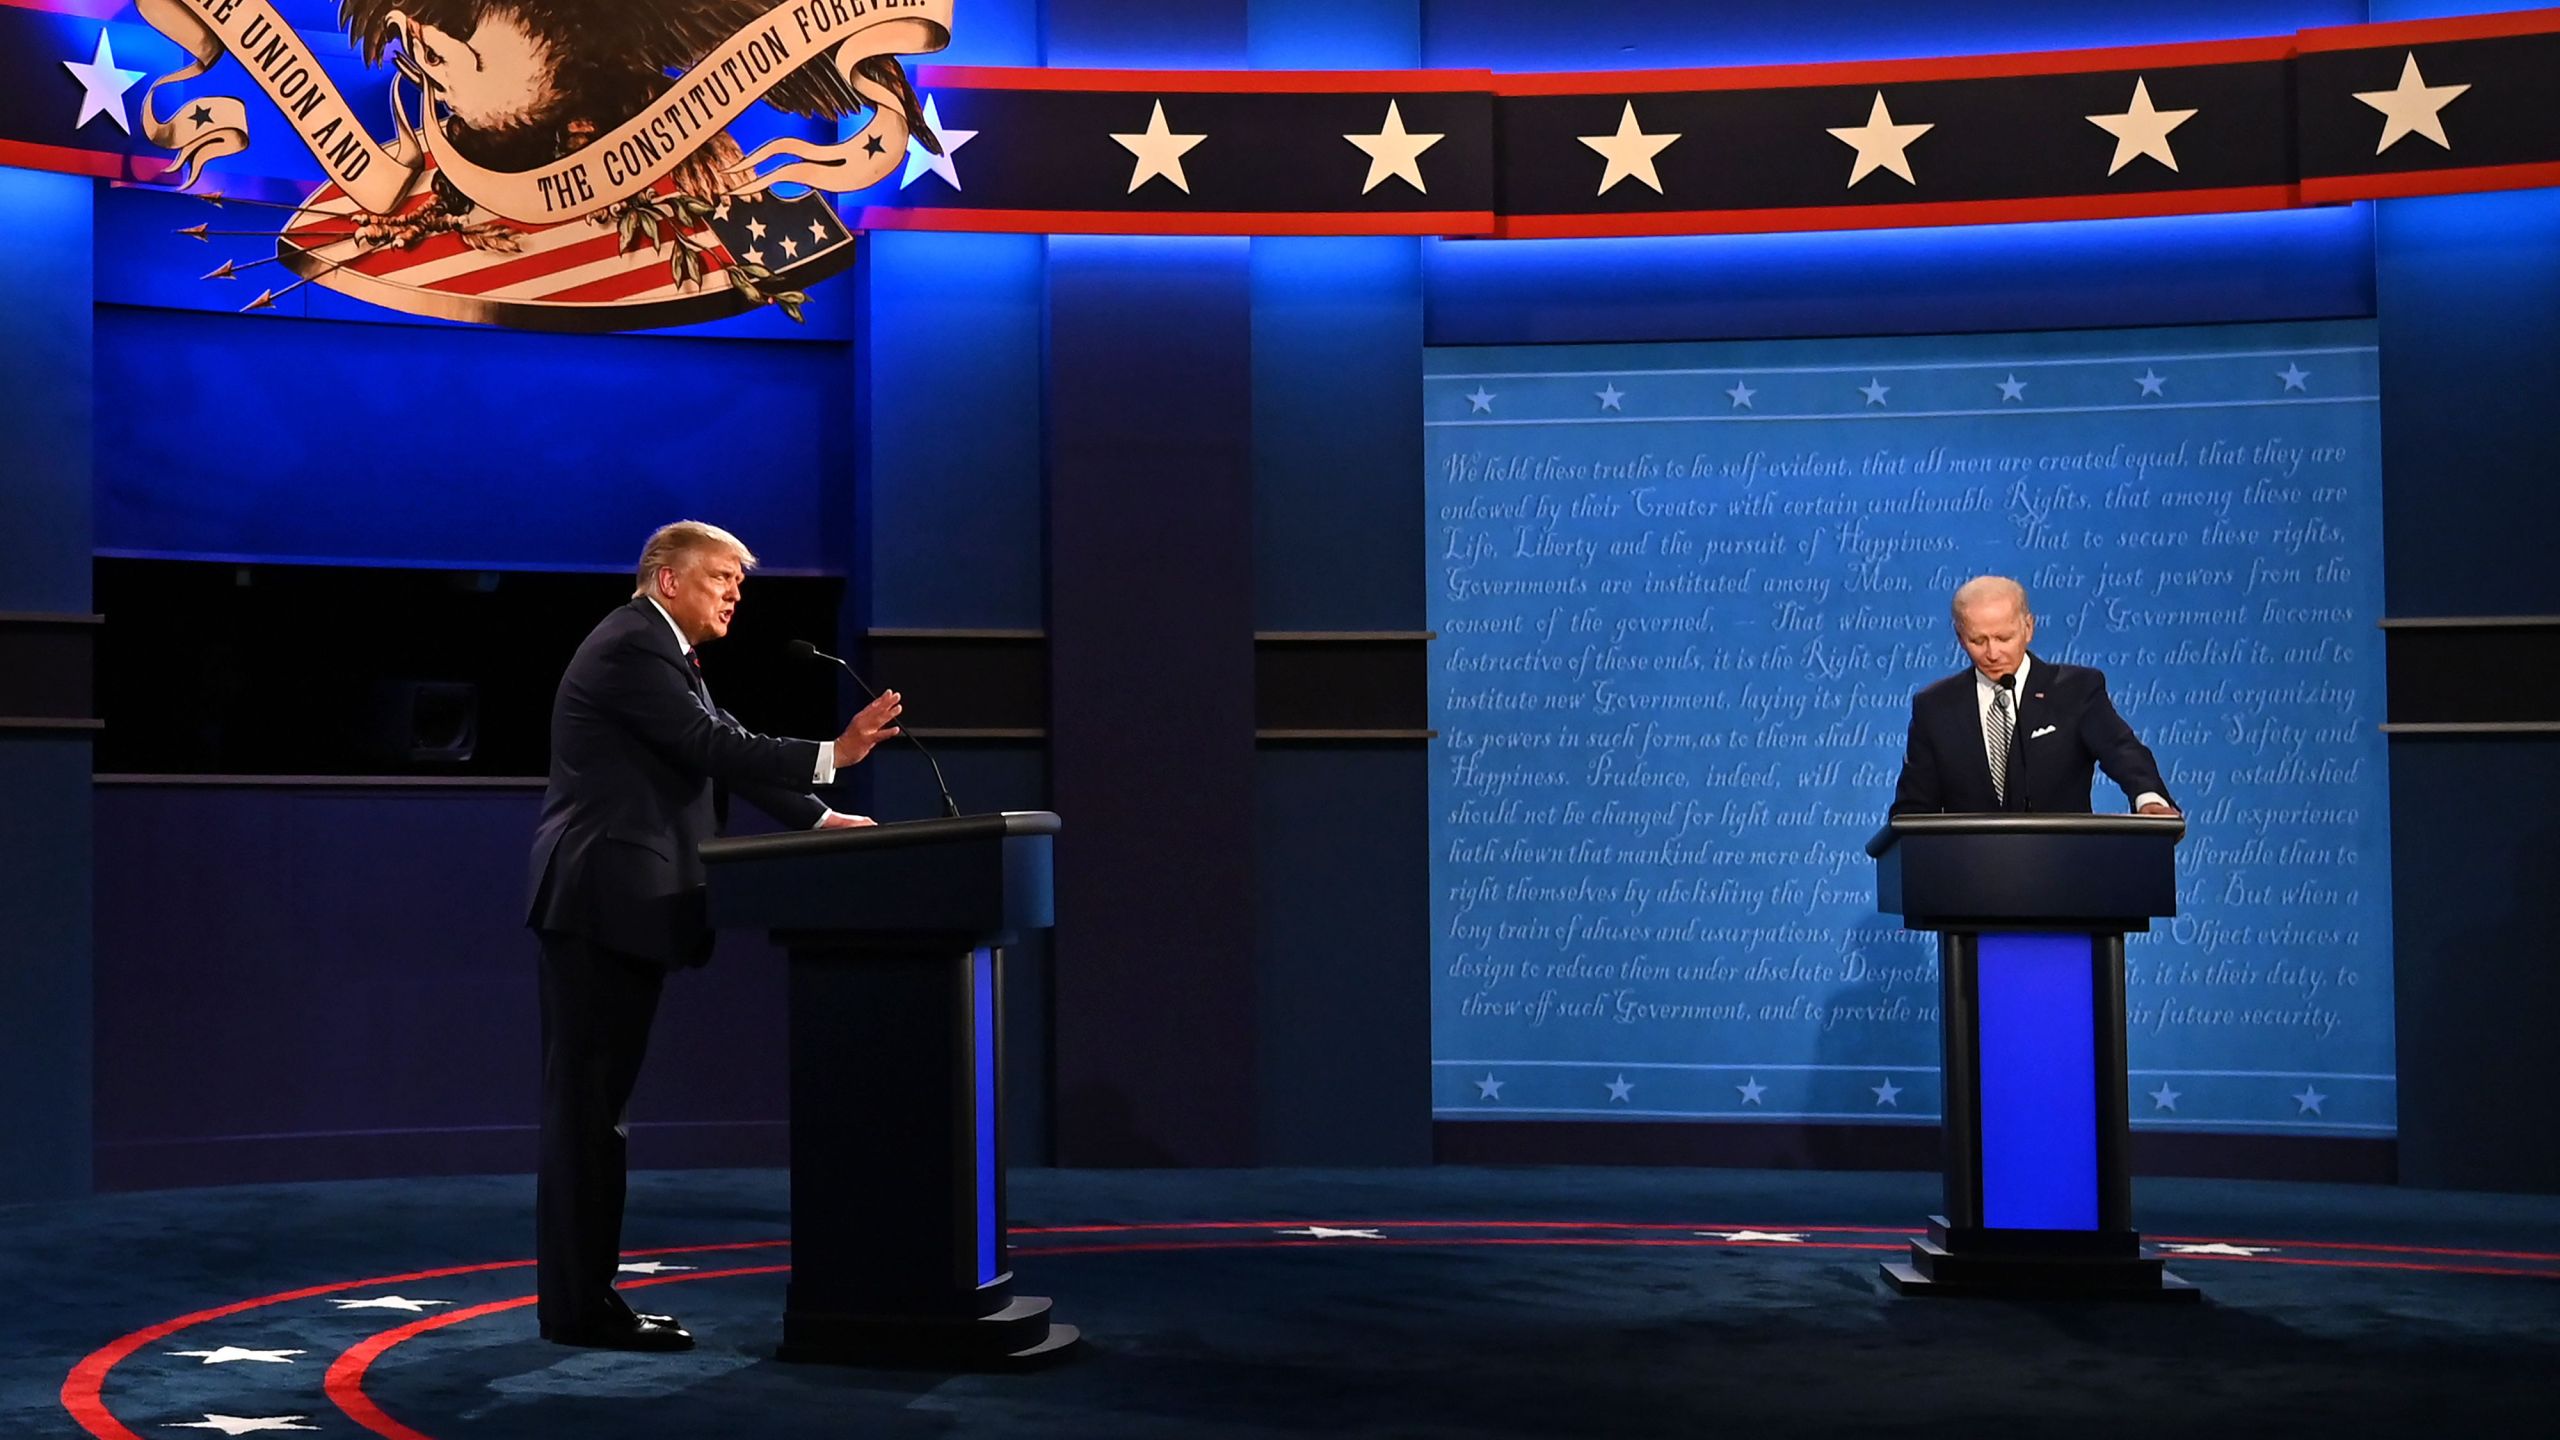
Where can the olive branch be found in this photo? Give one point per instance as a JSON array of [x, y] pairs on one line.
[[662, 222]]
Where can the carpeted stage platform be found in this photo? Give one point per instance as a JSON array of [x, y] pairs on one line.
[[1421, 1303]]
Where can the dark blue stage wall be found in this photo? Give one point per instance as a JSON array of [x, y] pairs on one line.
[[945, 433]]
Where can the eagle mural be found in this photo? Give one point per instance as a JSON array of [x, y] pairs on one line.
[[567, 164]]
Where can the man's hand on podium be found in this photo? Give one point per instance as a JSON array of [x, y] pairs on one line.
[[838, 820], [868, 728], [2158, 808]]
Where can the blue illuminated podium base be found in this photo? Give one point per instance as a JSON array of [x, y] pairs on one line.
[[2031, 913]]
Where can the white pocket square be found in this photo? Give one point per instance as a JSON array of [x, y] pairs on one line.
[[2041, 733]]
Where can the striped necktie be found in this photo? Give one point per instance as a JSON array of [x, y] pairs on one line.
[[1997, 728]]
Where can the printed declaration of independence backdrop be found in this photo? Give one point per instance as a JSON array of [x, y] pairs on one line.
[[1683, 594]]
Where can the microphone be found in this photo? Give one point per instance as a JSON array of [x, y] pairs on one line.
[[802, 648]]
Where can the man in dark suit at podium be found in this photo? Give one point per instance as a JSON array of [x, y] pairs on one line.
[[2014, 732], [618, 894]]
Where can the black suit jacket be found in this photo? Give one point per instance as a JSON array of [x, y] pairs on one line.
[[2066, 727], [636, 744]]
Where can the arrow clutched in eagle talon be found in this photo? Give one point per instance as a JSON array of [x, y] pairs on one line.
[[227, 271], [266, 301], [198, 229]]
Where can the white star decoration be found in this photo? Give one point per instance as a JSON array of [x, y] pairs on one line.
[[1880, 143], [755, 228], [230, 1354], [102, 86], [2151, 380], [1888, 1093], [389, 1302], [2165, 1098], [921, 161], [1394, 152], [1874, 390], [2012, 388], [1741, 394], [818, 231], [1629, 152], [649, 1267], [1610, 397], [1159, 153], [2309, 1100], [1489, 1088], [2142, 130], [1480, 402], [2413, 107], [1766, 1237], [1619, 1089], [239, 1425], [1327, 1232], [1751, 1089], [2218, 1248], [2293, 375], [790, 248]]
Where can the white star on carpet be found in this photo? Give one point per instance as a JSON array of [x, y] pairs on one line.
[[2309, 1100], [1874, 390], [1394, 152], [2217, 1248], [1766, 1237], [1629, 152], [1619, 1089], [230, 1354], [2165, 1098], [649, 1267], [1887, 1093], [2012, 388], [1159, 153], [2151, 380], [2293, 375], [2141, 130], [1480, 402], [389, 1302], [1752, 1090], [239, 1425], [1327, 1232], [102, 86], [1610, 397], [921, 161], [1880, 143], [1741, 394], [2414, 107], [1489, 1088]]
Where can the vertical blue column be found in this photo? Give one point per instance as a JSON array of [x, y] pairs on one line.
[[983, 1080], [45, 827], [2036, 1043], [1150, 504]]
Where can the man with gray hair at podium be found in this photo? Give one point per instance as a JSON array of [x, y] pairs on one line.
[[2013, 731], [618, 894]]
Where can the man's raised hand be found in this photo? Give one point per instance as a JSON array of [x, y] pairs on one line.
[[874, 723]]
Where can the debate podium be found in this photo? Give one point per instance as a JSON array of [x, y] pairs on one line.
[[895, 935], [2031, 913]]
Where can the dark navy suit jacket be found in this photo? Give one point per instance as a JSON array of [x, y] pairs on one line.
[[2066, 727], [636, 744]]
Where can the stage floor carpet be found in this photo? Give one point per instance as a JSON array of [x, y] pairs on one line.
[[1452, 1302]]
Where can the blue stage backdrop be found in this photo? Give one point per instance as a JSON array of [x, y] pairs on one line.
[[1683, 594]]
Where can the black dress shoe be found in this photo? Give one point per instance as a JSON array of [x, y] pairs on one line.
[[639, 1332]]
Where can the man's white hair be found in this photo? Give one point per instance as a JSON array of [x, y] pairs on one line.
[[1983, 588], [678, 543]]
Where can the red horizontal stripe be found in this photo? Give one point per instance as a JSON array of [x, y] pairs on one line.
[[1204, 82], [638, 280], [1881, 72], [2430, 32], [104, 164], [1139, 222], [1889, 217], [533, 267], [2458, 181]]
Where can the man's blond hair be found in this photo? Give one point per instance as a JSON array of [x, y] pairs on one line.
[[1988, 587], [676, 544]]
